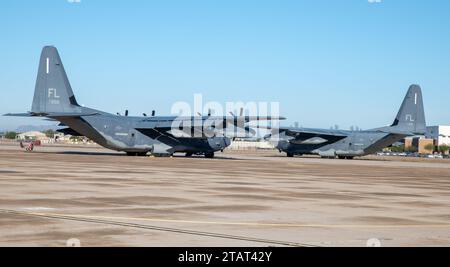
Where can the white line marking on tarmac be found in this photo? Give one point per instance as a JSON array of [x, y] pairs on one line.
[[281, 225], [38, 209]]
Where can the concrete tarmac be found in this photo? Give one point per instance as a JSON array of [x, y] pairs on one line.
[[104, 198]]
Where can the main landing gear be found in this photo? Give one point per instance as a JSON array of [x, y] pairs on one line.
[[208, 155], [136, 154]]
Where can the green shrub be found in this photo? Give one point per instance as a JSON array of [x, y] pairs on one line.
[[10, 135]]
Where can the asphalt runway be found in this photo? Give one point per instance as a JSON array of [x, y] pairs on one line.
[[102, 198]]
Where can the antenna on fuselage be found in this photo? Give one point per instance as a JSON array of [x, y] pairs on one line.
[[144, 114], [126, 113], [153, 113]]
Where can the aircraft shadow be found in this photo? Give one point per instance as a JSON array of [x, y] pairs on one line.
[[89, 153], [118, 154]]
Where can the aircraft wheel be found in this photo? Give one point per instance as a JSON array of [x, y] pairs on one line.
[[142, 154], [290, 155], [342, 157], [189, 154], [209, 155], [132, 154]]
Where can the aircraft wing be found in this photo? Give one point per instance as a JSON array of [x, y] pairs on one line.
[[170, 134], [199, 127], [236, 120], [257, 118], [161, 134], [228, 119], [311, 136]]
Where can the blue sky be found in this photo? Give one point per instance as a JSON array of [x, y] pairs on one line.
[[327, 62]]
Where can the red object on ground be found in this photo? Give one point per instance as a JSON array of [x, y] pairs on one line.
[[29, 145]]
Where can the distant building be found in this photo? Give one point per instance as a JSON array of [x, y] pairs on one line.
[[419, 144], [38, 136], [250, 145], [440, 134], [62, 138]]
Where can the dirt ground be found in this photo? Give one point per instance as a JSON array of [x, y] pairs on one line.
[[253, 195]]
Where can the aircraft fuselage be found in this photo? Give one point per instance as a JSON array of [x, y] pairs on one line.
[[120, 133], [357, 143]]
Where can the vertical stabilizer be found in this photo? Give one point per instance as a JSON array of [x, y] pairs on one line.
[[53, 93], [411, 116]]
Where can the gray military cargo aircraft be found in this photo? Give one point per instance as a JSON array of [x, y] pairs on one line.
[[137, 136], [410, 121]]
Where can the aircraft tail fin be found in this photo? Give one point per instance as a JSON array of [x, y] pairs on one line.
[[411, 116], [53, 93]]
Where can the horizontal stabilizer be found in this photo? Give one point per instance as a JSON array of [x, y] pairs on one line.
[[19, 115], [51, 115], [397, 131]]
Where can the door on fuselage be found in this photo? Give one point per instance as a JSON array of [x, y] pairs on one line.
[[132, 137]]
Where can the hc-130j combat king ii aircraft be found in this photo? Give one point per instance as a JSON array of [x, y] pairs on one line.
[[137, 136], [410, 121]]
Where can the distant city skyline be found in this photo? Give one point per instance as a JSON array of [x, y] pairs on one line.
[[346, 63]]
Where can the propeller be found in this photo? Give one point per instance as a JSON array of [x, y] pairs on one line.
[[241, 113]]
